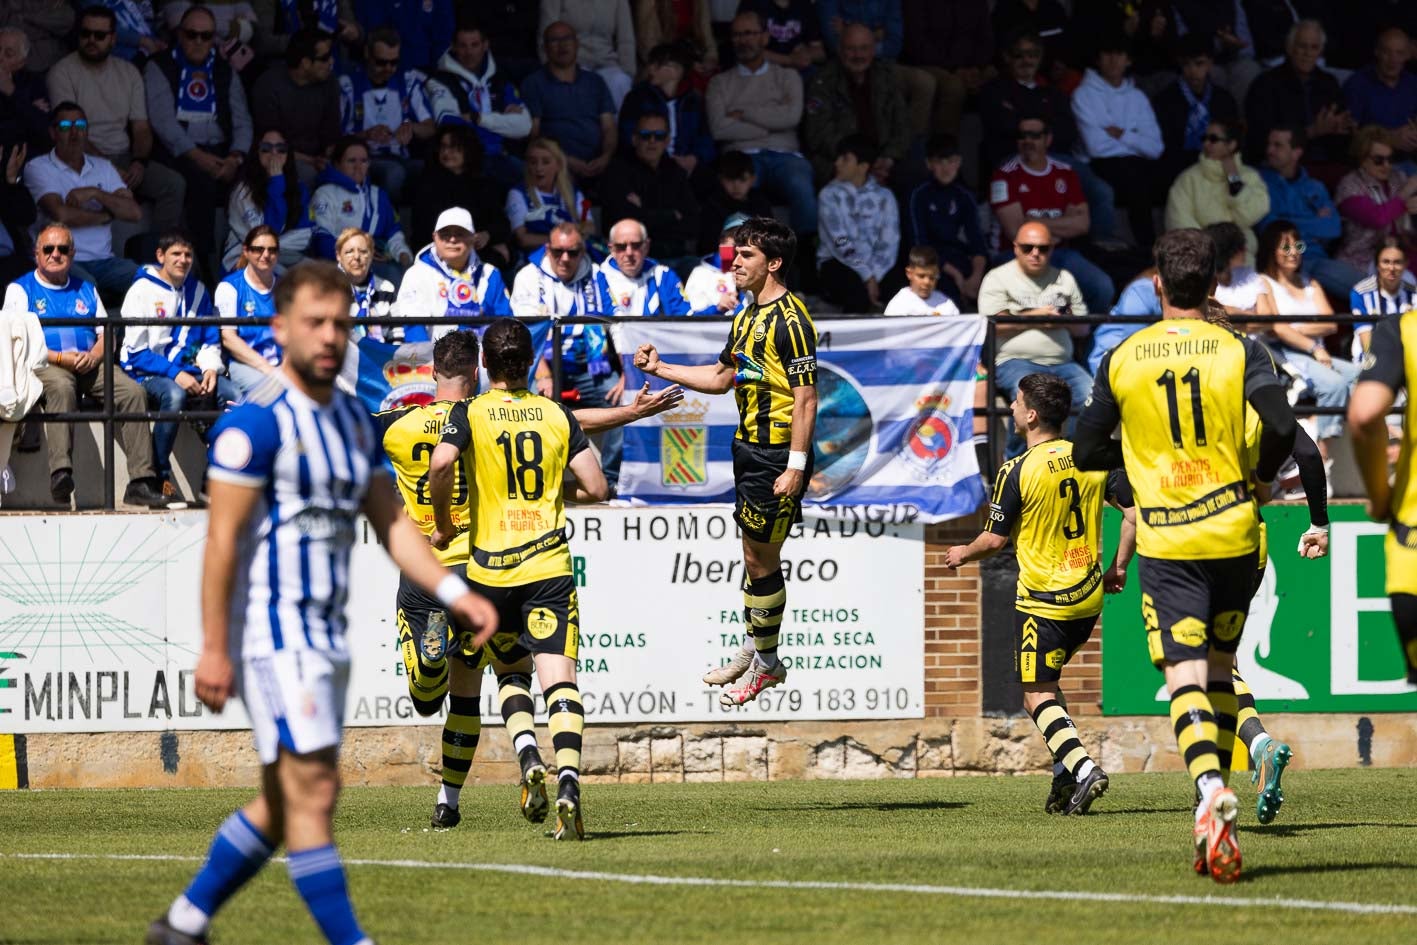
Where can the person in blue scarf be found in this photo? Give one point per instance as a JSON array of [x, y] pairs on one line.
[[346, 198]]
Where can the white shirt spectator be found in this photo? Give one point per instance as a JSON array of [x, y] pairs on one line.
[[655, 291], [537, 292], [1244, 289], [707, 284], [154, 298], [47, 174], [859, 227], [906, 302], [1097, 105]]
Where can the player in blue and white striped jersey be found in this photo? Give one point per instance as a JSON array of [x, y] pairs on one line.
[[291, 470]]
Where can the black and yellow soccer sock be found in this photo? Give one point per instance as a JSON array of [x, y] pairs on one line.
[[461, 732], [1194, 723], [514, 689], [765, 599], [1251, 726], [566, 719], [1061, 735], [427, 682], [1226, 707]]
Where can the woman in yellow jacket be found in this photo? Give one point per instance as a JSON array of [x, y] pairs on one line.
[[1219, 188]]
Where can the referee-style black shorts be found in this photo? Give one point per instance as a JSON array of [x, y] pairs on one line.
[[1192, 607], [1046, 644], [763, 516], [540, 617]]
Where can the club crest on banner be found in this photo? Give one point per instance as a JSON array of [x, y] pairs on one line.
[[933, 437], [410, 376], [683, 445]]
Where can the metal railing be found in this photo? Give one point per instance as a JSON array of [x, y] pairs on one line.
[[108, 415]]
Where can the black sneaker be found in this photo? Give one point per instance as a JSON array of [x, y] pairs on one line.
[[1063, 787], [445, 817], [1088, 790], [568, 811], [160, 933], [535, 804], [146, 493], [61, 485]]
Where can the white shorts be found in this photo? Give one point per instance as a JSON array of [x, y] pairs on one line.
[[295, 699]]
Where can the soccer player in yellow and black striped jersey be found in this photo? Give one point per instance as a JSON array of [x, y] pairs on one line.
[[517, 447], [1182, 389], [1053, 514], [1390, 361], [770, 363]]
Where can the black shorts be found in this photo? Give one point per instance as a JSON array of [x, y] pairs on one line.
[[763, 516], [1192, 607], [540, 617], [1046, 644], [414, 609]]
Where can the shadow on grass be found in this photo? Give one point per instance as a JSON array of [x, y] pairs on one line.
[[1290, 830], [1143, 810], [1258, 872], [883, 806], [598, 834]]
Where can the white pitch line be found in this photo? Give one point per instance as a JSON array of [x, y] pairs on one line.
[[641, 879]]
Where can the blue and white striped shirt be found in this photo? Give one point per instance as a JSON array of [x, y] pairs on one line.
[[1367, 299], [313, 464]]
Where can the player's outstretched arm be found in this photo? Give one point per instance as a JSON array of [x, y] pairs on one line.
[[409, 549], [1277, 432], [1368, 407], [599, 419], [1314, 542], [716, 378], [986, 545], [590, 479], [231, 506]]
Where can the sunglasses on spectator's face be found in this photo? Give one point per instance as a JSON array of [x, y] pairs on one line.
[[652, 135], [1380, 159], [572, 252], [263, 250], [49, 249], [453, 234], [326, 57], [1294, 249], [635, 245], [1032, 135], [199, 36], [76, 124], [274, 147], [1215, 139], [94, 34], [390, 63], [1028, 249]]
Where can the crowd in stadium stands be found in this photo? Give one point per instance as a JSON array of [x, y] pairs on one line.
[[594, 157]]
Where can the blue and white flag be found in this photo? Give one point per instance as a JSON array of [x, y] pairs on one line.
[[895, 418]]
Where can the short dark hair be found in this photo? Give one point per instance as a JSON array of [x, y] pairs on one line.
[[677, 53], [468, 23], [66, 106], [1298, 137], [96, 11], [923, 257], [776, 240], [507, 350], [733, 165], [1034, 116], [196, 8], [1229, 239], [1185, 261], [1112, 41], [1194, 45], [1270, 238], [455, 354], [860, 146], [1048, 395], [941, 146], [1019, 37], [321, 275], [344, 144], [303, 44], [173, 238], [384, 35], [1234, 126]]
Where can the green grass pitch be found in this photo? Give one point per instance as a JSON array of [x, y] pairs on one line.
[[920, 861]]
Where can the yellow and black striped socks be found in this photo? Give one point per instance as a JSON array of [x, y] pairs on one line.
[[1251, 728], [1226, 707], [1194, 722], [764, 600], [514, 689], [566, 719], [461, 732], [427, 682], [1062, 737]]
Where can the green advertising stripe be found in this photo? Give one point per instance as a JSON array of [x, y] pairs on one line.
[[1319, 636]]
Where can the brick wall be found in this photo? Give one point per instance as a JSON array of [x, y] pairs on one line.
[[952, 623]]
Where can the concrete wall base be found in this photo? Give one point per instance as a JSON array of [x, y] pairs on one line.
[[909, 748]]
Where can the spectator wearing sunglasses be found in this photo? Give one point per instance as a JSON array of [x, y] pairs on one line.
[[1219, 187], [84, 192], [301, 99], [54, 289], [198, 110], [651, 187], [110, 91], [634, 283], [384, 104], [270, 193], [1376, 200]]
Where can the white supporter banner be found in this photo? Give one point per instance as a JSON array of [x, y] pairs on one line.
[[100, 622]]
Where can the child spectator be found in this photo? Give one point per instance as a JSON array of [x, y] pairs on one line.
[[858, 231], [920, 296], [735, 193], [944, 217]]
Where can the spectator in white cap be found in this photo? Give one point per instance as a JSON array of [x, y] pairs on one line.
[[710, 289], [633, 283], [448, 279]]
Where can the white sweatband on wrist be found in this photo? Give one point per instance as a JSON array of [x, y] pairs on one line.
[[797, 460], [450, 589], [1312, 531]]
